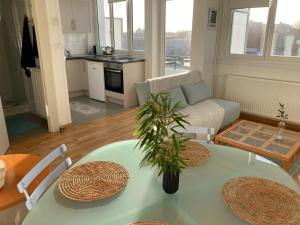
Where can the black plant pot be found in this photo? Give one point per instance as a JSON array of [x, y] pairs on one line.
[[170, 182]]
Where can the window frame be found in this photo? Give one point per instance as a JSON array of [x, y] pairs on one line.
[[129, 14], [266, 56], [138, 52], [163, 37]]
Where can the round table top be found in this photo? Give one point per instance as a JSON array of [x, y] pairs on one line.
[[17, 166], [198, 200]]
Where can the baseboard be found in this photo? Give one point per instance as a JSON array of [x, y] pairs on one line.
[[68, 125], [75, 94], [18, 109]]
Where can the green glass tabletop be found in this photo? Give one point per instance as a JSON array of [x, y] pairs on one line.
[[197, 202]]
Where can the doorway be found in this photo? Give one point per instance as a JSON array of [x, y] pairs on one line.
[[22, 98]]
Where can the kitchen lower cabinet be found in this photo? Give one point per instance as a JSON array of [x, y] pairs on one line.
[[132, 73], [76, 75], [95, 71]]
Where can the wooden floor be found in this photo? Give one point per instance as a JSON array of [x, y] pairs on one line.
[[80, 139], [84, 138]]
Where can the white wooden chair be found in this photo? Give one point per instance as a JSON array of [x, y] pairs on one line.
[[198, 130], [37, 169]]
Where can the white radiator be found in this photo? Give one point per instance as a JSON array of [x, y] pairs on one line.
[[38, 92], [262, 96]]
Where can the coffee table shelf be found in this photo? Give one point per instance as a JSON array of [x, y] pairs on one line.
[[261, 139]]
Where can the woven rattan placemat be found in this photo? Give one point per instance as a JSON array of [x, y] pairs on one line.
[[196, 154], [262, 202], [93, 181], [149, 222]]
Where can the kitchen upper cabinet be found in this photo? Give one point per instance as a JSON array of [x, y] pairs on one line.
[[66, 15], [81, 15], [95, 73], [76, 75], [75, 16]]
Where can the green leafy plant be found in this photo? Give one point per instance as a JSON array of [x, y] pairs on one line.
[[157, 121], [282, 115]]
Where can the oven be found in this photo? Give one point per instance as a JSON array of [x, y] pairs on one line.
[[113, 75]]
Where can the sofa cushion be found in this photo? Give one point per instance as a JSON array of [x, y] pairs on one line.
[[231, 109], [143, 92], [177, 95], [197, 92], [206, 113]]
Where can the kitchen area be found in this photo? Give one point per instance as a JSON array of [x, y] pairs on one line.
[[101, 73]]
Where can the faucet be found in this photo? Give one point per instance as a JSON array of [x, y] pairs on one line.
[[68, 53]]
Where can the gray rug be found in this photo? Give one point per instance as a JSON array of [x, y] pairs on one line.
[[83, 108]]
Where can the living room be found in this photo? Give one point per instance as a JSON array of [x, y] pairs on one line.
[[207, 129]]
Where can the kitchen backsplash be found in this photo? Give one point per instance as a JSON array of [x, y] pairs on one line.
[[79, 43], [76, 43]]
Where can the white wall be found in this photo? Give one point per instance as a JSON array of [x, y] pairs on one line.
[[258, 67], [204, 40], [4, 143], [153, 40], [258, 83], [5, 81], [12, 87]]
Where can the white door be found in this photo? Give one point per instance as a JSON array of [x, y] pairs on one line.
[[96, 80], [4, 143]]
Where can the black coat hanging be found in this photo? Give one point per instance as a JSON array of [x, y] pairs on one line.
[[34, 43], [27, 55]]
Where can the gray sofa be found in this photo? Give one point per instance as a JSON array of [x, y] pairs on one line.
[[195, 97]]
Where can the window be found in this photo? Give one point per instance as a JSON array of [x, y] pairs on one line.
[[138, 24], [104, 23], [248, 31], [120, 25], [286, 37], [178, 32], [113, 16], [255, 31]]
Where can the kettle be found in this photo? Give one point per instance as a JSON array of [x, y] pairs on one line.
[[108, 50]]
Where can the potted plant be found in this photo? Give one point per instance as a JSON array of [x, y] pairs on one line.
[[283, 116], [158, 139]]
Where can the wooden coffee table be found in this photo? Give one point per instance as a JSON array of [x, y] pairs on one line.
[[261, 139]]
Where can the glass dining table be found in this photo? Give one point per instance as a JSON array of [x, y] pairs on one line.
[[197, 202]]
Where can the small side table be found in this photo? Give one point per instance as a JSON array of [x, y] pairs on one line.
[[17, 166]]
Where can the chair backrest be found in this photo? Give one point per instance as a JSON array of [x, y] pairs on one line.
[[37, 169], [198, 130]]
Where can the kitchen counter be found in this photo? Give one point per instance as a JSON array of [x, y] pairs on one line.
[[107, 58]]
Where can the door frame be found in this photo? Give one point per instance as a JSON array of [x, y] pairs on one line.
[[47, 18]]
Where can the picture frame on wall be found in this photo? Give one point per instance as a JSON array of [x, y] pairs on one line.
[[212, 18]]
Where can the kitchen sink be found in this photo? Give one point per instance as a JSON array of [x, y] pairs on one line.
[[114, 57], [107, 58]]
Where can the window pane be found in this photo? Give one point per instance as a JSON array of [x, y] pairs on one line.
[[120, 25], [179, 21], [103, 20], [286, 38], [138, 24], [249, 31]]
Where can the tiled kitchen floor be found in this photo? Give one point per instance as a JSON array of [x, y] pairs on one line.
[[84, 109]]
